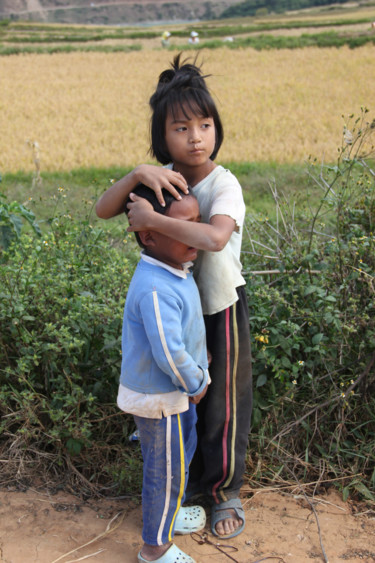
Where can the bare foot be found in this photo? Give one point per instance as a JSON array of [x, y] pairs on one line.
[[152, 552], [228, 525]]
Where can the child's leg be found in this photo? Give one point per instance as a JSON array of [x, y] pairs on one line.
[[224, 414], [167, 448]]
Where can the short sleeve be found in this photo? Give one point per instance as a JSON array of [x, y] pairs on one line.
[[228, 199]]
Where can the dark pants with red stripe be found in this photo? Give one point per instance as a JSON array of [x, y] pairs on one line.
[[224, 414]]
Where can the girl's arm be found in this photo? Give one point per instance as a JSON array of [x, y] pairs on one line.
[[112, 202], [212, 236]]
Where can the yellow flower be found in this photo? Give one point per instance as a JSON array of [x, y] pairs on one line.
[[262, 338]]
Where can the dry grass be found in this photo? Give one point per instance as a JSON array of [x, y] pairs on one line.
[[91, 109]]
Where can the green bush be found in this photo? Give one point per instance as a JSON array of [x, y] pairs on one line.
[[11, 220], [313, 325], [61, 300]]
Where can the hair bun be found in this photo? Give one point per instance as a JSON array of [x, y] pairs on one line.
[[183, 73], [166, 76]]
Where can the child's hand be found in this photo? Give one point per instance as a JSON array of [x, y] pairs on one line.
[[156, 178], [139, 212], [197, 398]]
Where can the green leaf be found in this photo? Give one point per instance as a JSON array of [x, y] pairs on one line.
[[310, 289], [328, 317], [262, 380], [285, 362], [317, 338], [345, 493], [364, 491], [73, 446], [17, 224]]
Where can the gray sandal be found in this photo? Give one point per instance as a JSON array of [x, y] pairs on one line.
[[221, 512]]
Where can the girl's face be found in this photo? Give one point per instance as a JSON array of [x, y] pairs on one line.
[[190, 140]]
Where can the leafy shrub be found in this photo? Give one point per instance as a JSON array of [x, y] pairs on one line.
[[11, 220], [61, 302], [313, 325]]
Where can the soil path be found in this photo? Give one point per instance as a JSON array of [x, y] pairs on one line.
[[39, 528]]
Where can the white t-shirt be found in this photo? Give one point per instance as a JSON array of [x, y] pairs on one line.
[[218, 274]]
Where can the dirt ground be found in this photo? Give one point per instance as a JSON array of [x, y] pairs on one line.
[[36, 527]]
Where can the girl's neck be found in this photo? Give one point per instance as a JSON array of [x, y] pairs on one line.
[[193, 175]]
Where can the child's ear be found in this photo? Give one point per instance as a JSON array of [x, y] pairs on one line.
[[147, 238]]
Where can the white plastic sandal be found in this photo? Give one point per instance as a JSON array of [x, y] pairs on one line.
[[190, 519], [172, 555]]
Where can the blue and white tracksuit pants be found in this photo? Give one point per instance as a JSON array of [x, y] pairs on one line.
[[168, 445]]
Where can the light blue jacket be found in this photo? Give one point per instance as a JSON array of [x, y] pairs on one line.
[[163, 336]]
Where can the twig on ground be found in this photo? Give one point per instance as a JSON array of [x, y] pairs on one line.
[[311, 503], [286, 485], [89, 485], [87, 556], [107, 531], [323, 501], [202, 539]]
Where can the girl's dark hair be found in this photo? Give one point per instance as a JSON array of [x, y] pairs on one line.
[[182, 87], [143, 191]]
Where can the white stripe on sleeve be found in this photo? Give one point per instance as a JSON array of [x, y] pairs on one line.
[[164, 342]]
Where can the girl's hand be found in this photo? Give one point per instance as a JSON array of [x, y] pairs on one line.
[[156, 178], [139, 214], [112, 202]]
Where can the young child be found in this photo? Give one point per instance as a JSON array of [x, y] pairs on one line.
[[186, 135], [163, 376]]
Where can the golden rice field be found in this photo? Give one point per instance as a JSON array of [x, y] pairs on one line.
[[91, 109]]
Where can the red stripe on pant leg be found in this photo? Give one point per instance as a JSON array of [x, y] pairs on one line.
[[227, 406]]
